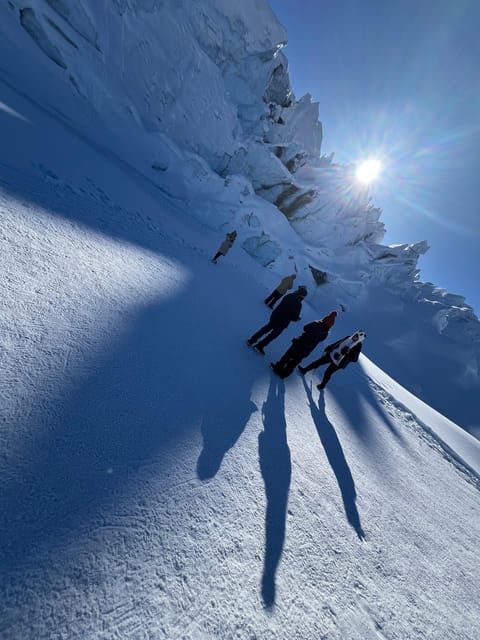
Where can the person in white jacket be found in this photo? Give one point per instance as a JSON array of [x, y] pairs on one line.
[[225, 246], [337, 355]]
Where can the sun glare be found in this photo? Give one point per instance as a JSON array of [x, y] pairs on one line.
[[368, 171]]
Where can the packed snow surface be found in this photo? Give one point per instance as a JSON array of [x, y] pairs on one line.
[[157, 480], [195, 98]]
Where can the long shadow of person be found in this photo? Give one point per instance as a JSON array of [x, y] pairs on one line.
[[221, 428], [276, 468], [355, 393], [337, 460]]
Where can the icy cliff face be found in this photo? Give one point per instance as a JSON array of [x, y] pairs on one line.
[[197, 97], [201, 92]]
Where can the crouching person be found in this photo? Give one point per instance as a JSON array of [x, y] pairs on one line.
[[302, 346], [338, 356]]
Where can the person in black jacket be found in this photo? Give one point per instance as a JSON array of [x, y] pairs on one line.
[[288, 310], [302, 346], [338, 356]]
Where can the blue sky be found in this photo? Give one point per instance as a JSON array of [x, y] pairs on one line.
[[400, 79]]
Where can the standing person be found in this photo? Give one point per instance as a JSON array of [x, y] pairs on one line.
[[225, 246], [338, 356], [281, 290], [288, 310], [302, 346]]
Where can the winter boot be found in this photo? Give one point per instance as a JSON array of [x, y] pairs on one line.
[[273, 367]]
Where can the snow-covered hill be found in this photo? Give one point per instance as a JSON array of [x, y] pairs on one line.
[[156, 479], [196, 98]]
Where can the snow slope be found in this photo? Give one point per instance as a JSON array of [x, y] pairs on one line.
[[157, 481], [195, 99]]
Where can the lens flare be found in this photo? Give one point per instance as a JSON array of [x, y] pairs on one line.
[[368, 171]]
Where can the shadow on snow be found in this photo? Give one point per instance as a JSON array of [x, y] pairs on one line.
[[276, 468], [336, 458], [147, 394]]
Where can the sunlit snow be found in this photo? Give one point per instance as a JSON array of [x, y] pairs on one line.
[[157, 480]]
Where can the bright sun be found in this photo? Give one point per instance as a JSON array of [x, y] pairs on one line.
[[368, 171]]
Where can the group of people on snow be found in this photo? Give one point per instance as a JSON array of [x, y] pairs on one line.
[[336, 355]]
